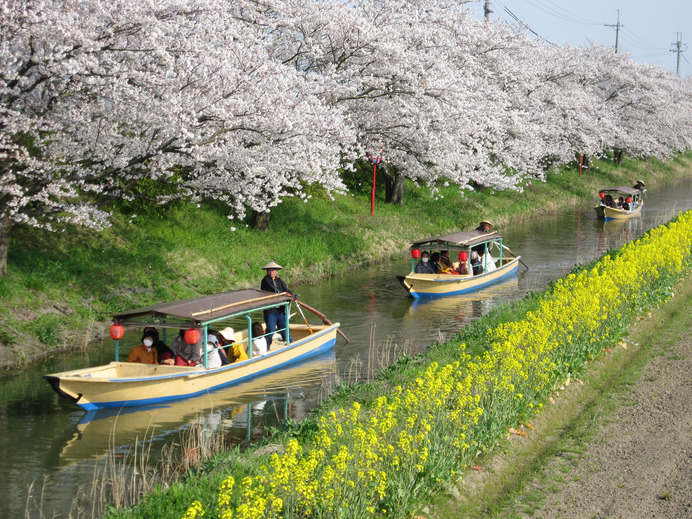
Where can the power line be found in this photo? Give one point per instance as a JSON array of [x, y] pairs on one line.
[[564, 15], [525, 25], [639, 42]]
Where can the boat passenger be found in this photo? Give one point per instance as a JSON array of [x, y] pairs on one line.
[[235, 350], [445, 263], [222, 351], [274, 317], [608, 201], [639, 185], [423, 266], [187, 354], [476, 263], [435, 261], [259, 345], [163, 352], [622, 204], [213, 357], [145, 353]]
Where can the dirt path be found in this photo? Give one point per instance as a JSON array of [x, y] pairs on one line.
[[619, 446]]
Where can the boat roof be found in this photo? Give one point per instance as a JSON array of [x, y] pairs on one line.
[[207, 308], [458, 239], [623, 189]]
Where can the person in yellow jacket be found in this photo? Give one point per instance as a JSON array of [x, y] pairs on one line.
[[235, 351], [145, 353]]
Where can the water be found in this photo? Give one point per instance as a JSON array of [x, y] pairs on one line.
[[53, 445]]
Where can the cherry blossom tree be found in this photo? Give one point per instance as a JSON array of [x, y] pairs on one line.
[[246, 101], [96, 95]]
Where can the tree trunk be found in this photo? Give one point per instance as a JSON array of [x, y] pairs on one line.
[[617, 155], [394, 185], [259, 221], [5, 227], [585, 161]]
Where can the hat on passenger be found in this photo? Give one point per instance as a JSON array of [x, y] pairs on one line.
[[212, 339], [228, 334], [272, 265], [641, 182], [486, 221]]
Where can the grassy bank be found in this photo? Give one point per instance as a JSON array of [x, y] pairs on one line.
[[62, 287], [386, 447]]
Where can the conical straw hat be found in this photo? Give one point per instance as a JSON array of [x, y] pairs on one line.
[[272, 265]]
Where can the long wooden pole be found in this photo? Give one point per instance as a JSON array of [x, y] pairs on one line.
[[323, 317], [237, 303], [304, 319]]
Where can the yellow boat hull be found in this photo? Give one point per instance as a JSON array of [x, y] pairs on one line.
[[435, 285], [613, 213], [121, 384]]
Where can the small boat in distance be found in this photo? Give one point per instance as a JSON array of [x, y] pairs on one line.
[[619, 202], [121, 384], [462, 278]]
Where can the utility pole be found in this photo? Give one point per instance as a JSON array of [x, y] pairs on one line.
[[617, 32], [487, 10], [678, 47]]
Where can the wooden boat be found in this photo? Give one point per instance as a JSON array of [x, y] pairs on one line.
[[609, 209], [463, 243], [121, 384]]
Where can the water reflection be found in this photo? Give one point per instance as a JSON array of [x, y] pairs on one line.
[[452, 312]]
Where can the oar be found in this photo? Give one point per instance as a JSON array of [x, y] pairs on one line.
[[513, 254], [301, 313], [323, 317]]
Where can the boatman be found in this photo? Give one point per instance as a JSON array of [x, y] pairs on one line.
[[485, 226], [274, 317]]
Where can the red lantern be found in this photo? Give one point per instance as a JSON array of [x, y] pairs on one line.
[[629, 200], [463, 256], [117, 331], [601, 194], [415, 253], [192, 336]]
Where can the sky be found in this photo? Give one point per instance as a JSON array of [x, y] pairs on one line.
[[648, 32]]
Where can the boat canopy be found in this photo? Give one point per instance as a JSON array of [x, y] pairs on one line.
[[206, 308], [632, 191], [459, 239]]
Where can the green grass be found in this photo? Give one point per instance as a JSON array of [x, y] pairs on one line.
[[58, 281]]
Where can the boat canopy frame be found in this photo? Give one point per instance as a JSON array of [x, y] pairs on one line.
[[200, 312], [626, 190], [459, 241]]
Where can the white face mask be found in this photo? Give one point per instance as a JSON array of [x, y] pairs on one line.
[[148, 342], [425, 260]]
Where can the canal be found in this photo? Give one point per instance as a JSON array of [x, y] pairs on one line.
[[50, 448]]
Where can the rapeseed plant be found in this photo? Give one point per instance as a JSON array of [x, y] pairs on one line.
[[372, 460]]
